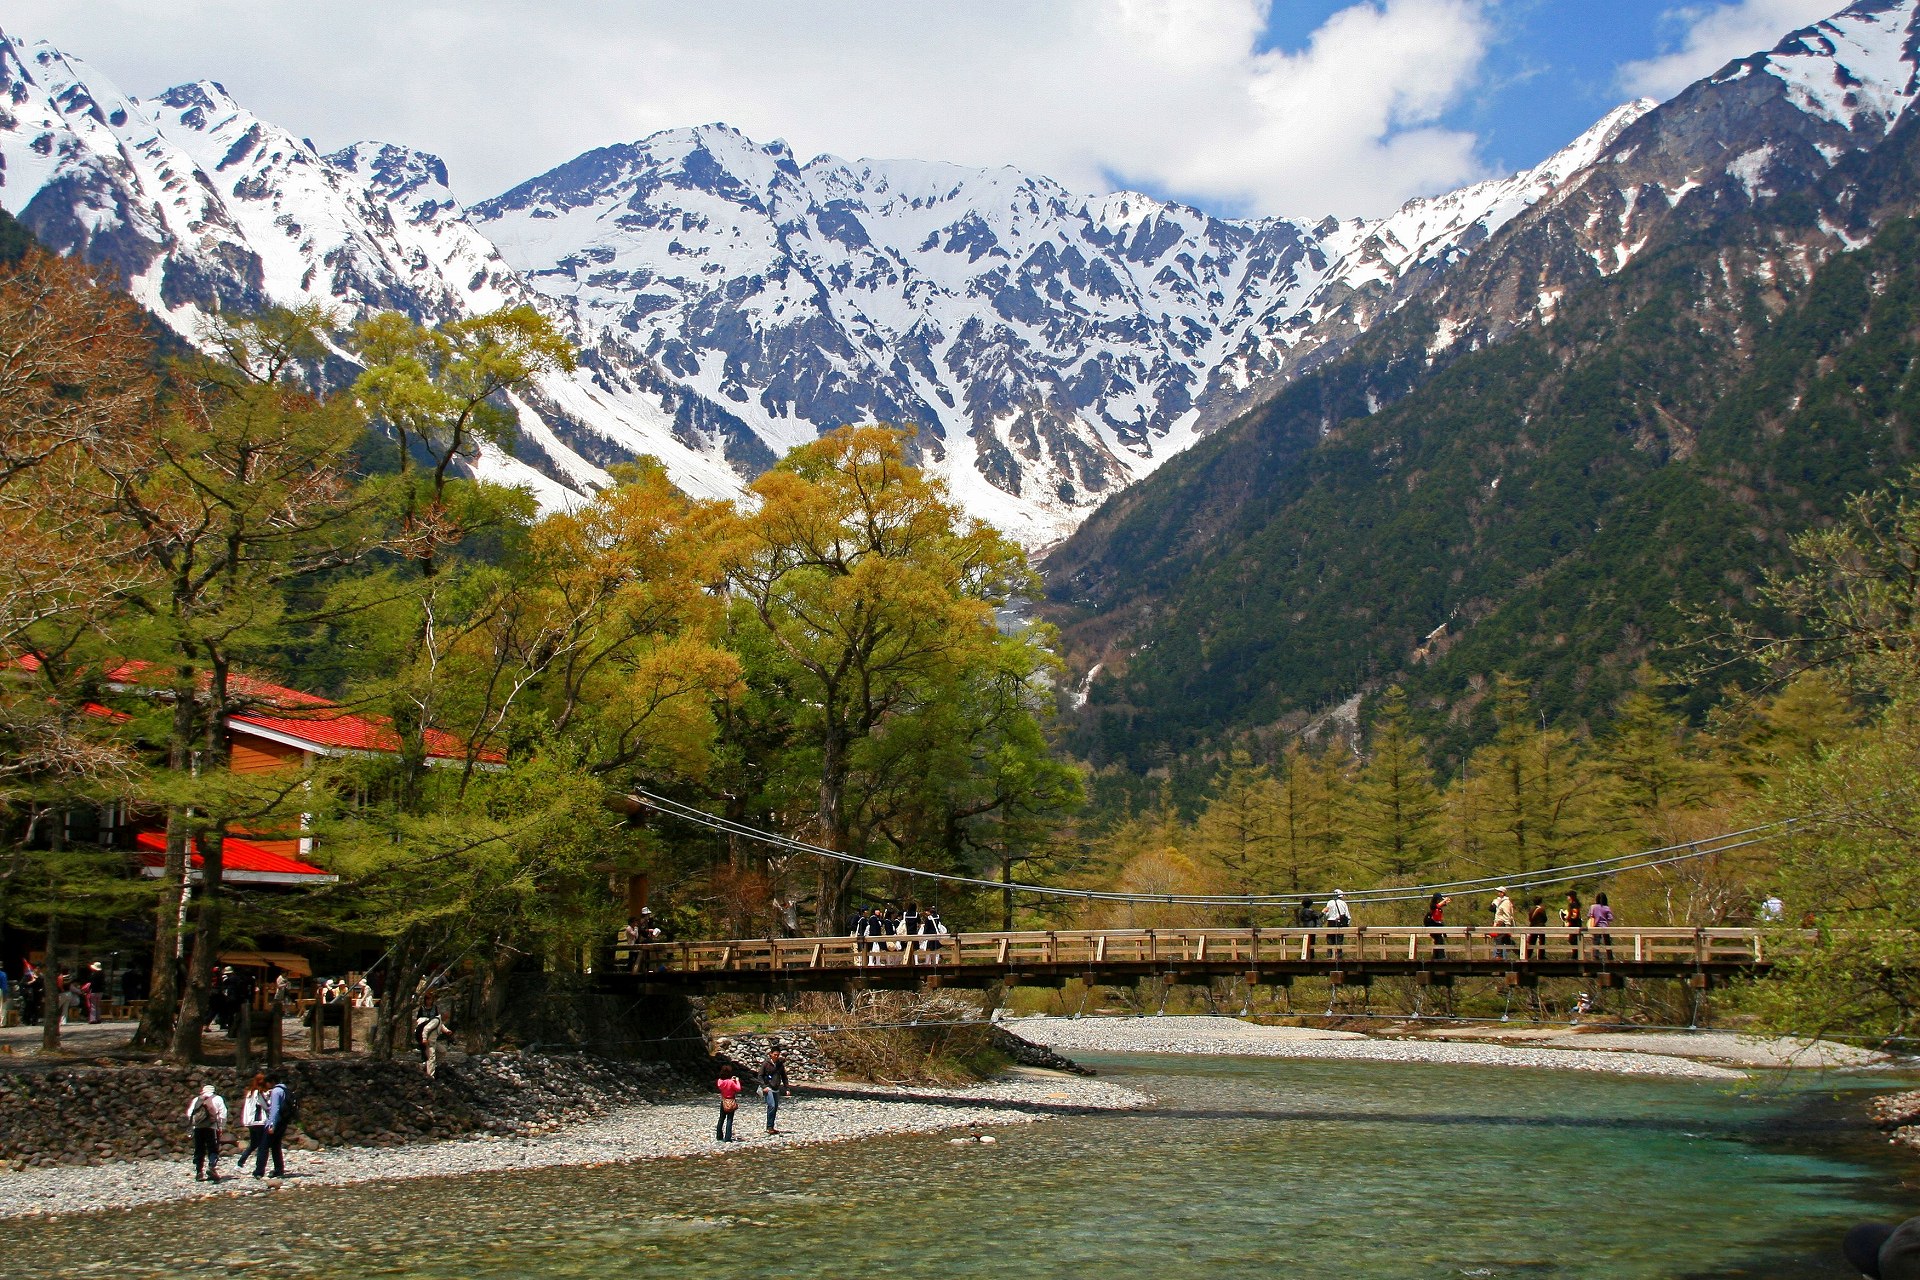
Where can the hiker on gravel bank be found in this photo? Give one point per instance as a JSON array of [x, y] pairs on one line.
[[253, 1115], [280, 1114], [773, 1082], [730, 1087], [206, 1118]]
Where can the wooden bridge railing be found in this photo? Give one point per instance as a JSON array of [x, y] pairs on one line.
[[1294, 949]]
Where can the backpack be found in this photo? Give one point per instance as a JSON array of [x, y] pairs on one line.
[[199, 1114], [289, 1107]]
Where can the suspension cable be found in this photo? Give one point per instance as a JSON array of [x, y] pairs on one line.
[[1562, 874]]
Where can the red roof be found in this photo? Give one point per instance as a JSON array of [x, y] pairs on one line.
[[237, 855], [315, 721], [330, 726]]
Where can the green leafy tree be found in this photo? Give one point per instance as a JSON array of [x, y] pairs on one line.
[[246, 489], [876, 593]]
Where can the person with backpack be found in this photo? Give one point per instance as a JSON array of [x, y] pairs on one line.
[[1537, 919], [729, 1086], [253, 1116], [1436, 919], [206, 1117], [281, 1112], [1338, 916], [862, 926]]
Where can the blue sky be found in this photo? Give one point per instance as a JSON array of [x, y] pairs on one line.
[[1552, 68], [1296, 107]]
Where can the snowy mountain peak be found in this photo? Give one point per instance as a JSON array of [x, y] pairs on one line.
[[1859, 69], [1049, 347], [402, 175]]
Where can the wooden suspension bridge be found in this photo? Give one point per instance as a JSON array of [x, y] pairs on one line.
[[1354, 956]]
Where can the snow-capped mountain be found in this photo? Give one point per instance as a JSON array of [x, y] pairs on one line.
[[1052, 348], [199, 206], [731, 301]]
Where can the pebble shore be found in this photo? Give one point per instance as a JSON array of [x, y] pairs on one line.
[[818, 1114], [1229, 1037]]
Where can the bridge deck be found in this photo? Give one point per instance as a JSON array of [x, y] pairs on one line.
[[1123, 956]]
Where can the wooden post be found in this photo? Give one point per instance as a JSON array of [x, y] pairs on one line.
[[243, 1039], [274, 1014], [346, 1021]]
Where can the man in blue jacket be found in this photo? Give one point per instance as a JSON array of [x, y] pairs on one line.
[[279, 1114]]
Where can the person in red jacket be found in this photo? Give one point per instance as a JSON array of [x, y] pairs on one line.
[[729, 1086]]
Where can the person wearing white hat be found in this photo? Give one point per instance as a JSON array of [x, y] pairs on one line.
[[1502, 921], [206, 1118], [1337, 916]]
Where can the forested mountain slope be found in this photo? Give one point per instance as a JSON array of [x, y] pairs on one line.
[[1549, 507]]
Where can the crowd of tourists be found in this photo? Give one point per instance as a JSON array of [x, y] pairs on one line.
[[888, 935], [83, 995], [267, 1109], [1576, 922]]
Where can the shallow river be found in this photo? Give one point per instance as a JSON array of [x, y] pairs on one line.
[[1249, 1168]]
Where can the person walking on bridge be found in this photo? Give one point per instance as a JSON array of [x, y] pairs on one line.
[[1338, 916], [1502, 922], [1537, 942], [773, 1083], [862, 930], [1436, 919], [1574, 917], [1601, 915]]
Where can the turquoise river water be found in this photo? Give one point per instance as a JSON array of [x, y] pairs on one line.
[[1249, 1167]]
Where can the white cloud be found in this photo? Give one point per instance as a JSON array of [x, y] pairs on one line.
[[1171, 94], [1715, 35]]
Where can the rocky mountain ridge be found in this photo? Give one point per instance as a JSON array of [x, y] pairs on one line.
[[1543, 464], [730, 301]]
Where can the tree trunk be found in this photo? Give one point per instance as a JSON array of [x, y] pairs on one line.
[[490, 1001], [393, 1018], [50, 987], [170, 903], [836, 878], [191, 1024]]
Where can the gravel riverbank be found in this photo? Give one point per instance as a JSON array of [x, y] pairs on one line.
[[1230, 1037], [818, 1113]]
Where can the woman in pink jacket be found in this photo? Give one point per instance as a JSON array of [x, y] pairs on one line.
[[729, 1086]]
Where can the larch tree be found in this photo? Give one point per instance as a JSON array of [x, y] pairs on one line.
[[1240, 832], [1393, 805], [1534, 799], [247, 487]]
